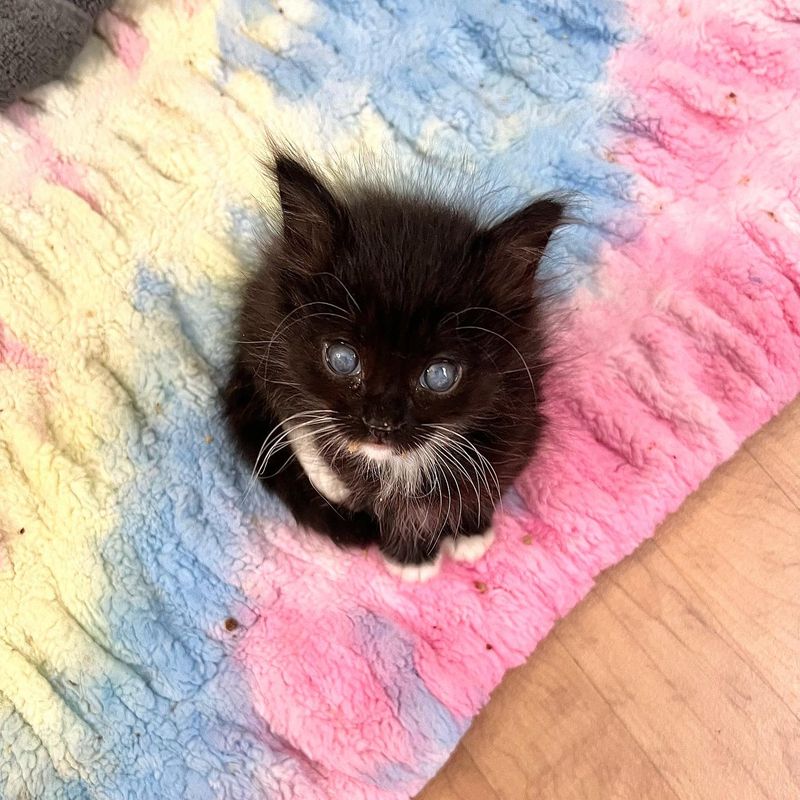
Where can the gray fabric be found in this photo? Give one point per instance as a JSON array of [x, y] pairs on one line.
[[39, 39]]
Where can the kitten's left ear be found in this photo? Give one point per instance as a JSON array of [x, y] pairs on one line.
[[516, 245], [311, 214]]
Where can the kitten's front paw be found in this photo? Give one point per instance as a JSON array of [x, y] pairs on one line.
[[414, 573], [470, 549]]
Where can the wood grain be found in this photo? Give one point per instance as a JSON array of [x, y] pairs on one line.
[[776, 448], [460, 778], [679, 676], [553, 744]]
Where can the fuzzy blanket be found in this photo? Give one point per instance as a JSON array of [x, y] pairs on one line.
[[165, 635]]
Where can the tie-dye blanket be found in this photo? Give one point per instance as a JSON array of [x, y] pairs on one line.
[[163, 634]]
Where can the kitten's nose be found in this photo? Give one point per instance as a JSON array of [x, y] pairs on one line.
[[379, 425]]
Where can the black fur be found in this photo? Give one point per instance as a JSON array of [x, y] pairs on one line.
[[404, 279]]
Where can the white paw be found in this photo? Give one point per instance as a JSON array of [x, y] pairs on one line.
[[414, 573], [470, 549]]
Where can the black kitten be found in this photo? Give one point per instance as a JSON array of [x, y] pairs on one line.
[[387, 381]]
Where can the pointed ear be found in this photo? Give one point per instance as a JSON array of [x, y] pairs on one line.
[[516, 246], [311, 214]]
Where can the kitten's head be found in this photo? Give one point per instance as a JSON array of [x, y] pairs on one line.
[[402, 321]]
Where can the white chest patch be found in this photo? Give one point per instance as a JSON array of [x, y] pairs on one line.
[[318, 472], [398, 473]]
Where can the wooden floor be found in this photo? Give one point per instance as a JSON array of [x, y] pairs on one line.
[[679, 676]]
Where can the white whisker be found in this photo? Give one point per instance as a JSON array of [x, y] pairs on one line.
[[457, 314], [268, 447], [453, 460], [281, 328], [510, 344], [347, 291]]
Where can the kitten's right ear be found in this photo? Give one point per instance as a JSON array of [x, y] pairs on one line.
[[311, 214], [516, 246]]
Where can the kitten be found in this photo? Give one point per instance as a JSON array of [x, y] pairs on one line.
[[387, 381]]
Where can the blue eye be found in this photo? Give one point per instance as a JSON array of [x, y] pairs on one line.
[[342, 359], [440, 376]]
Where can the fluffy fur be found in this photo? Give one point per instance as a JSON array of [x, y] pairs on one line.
[[376, 457]]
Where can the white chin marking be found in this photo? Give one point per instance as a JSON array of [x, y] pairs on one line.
[[377, 452], [414, 573], [470, 549]]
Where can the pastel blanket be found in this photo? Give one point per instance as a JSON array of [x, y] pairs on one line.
[[165, 635]]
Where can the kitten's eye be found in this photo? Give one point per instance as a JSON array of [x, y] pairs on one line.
[[440, 376], [342, 359]]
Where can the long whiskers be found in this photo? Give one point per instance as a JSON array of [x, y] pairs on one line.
[[486, 465], [312, 423], [460, 450], [509, 343], [284, 325], [457, 314]]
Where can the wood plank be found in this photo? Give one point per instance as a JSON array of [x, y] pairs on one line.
[[548, 734], [742, 561], [708, 720], [776, 447], [459, 779]]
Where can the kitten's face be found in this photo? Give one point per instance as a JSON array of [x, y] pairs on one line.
[[399, 325], [391, 380]]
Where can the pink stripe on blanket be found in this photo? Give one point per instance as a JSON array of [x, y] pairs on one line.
[[41, 159], [129, 44], [15, 355]]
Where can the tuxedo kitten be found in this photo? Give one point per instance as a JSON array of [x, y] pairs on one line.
[[387, 379]]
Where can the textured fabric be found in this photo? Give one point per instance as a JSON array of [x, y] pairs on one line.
[[39, 39], [166, 634]]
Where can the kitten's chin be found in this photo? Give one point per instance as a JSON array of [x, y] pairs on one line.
[[376, 452]]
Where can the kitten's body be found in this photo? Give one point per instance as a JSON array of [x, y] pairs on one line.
[[407, 285]]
